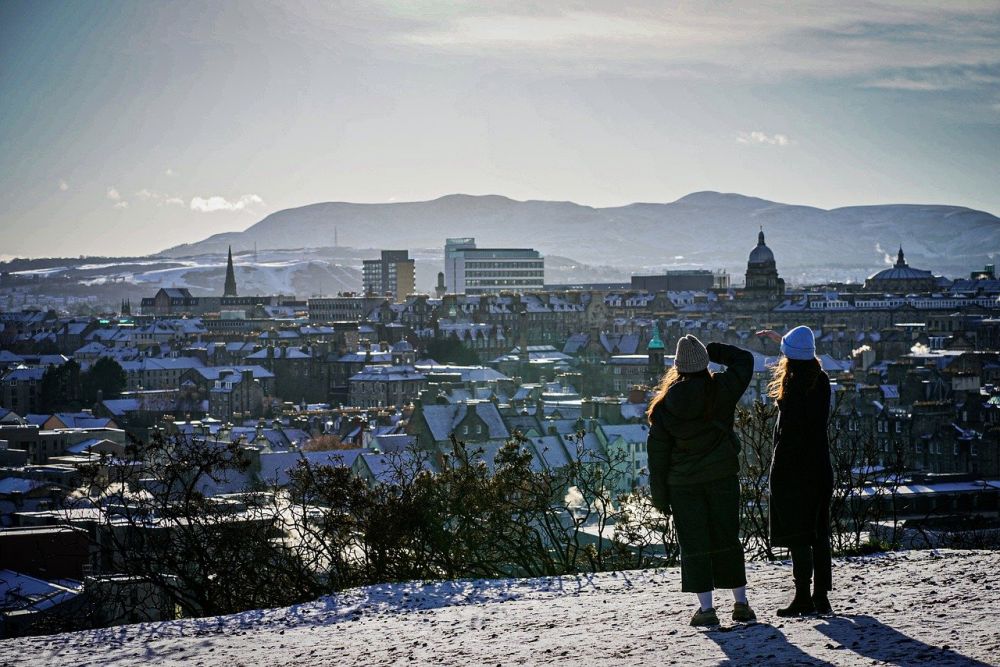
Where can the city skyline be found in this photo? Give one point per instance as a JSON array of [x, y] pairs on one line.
[[126, 121]]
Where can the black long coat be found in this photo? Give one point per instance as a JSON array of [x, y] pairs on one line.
[[801, 475]]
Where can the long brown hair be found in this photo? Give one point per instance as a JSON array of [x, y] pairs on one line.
[[787, 370], [670, 378]]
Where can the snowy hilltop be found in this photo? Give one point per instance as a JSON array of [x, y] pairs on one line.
[[856, 240], [906, 608]]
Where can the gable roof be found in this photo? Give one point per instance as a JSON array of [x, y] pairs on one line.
[[627, 432], [442, 420]]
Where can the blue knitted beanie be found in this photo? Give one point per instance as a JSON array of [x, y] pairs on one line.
[[799, 343]]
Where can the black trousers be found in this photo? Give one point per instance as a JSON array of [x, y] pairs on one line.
[[707, 520], [814, 560]]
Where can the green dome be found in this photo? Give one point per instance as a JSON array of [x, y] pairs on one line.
[[655, 342]]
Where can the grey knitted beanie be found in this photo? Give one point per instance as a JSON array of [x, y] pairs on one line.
[[692, 356]]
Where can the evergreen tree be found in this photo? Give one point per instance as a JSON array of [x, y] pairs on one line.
[[106, 376], [60, 389], [451, 351]]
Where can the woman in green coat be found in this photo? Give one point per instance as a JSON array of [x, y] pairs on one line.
[[694, 466]]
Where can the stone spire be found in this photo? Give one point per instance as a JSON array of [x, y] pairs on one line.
[[230, 289], [900, 261]]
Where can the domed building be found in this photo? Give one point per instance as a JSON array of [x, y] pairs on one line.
[[901, 278], [762, 281]]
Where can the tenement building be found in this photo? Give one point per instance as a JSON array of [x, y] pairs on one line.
[[343, 308], [472, 270]]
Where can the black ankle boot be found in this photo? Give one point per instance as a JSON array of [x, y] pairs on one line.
[[802, 603], [821, 602]]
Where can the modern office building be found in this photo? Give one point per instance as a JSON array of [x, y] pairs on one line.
[[392, 274], [472, 270], [697, 280], [344, 308]]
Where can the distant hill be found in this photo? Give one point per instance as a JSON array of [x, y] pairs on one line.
[[704, 229]]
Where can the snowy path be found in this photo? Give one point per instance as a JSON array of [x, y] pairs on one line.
[[910, 608]]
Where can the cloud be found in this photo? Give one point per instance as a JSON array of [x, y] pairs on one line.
[[159, 198], [63, 185], [903, 83], [867, 40], [217, 203], [758, 137], [116, 197], [170, 172], [970, 77]]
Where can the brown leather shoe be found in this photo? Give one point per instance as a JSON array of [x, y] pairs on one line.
[[706, 617], [742, 613]]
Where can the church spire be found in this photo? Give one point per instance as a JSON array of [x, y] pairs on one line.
[[230, 288], [900, 261]]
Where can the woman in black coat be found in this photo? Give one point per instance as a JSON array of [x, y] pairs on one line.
[[694, 468], [801, 477]]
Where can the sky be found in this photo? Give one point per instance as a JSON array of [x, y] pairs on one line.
[[130, 127]]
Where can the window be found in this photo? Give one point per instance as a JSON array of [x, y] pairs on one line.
[[954, 449]]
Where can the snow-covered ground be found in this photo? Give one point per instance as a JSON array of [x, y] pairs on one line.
[[301, 272], [908, 608]]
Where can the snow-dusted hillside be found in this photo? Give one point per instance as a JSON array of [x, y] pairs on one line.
[[702, 230], [909, 608], [298, 272]]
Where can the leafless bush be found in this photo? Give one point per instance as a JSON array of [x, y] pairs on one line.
[[755, 425], [157, 523], [865, 481]]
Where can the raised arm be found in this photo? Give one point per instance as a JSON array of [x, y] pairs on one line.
[[739, 367]]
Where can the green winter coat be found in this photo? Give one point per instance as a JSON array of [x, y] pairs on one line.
[[691, 436]]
